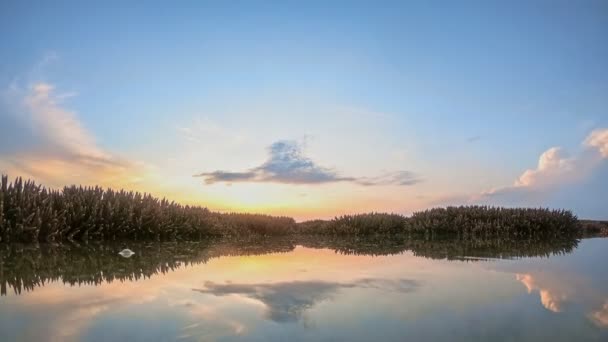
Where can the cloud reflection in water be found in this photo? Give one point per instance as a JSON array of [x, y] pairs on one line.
[[287, 301]]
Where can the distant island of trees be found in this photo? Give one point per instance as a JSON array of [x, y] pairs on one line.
[[32, 213]]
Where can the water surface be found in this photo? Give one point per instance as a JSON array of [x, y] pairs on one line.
[[315, 290]]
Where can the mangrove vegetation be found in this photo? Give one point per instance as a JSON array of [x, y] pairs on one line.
[[30, 212]]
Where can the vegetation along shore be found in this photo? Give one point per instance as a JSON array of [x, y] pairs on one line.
[[30, 212]]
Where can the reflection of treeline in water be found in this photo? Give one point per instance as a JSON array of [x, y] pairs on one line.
[[445, 248], [590, 228], [23, 267], [32, 213], [27, 266]]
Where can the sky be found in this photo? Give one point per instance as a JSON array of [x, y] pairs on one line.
[[311, 109]]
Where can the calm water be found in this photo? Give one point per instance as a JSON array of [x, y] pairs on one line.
[[315, 291]]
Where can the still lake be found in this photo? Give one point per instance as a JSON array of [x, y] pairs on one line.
[[284, 290]]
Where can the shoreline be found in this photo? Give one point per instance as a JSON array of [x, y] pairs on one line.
[[31, 213]]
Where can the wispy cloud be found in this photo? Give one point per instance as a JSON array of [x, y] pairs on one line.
[[204, 131], [391, 178], [61, 129], [47, 141], [287, 164]]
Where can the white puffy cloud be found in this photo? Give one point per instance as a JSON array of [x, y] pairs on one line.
[[599, 139], [555, 172], [556, 167], [559, 180], [553, 166]]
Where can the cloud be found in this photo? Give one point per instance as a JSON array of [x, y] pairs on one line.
[[45, 141], [61, 130], [551, 300], [473, 138], [287, 301], [554, 181], [64, 313], [561, 292], [553, 165], [559, 180], [599, 139], [229, 177], [600, 317], [202, 132], [391, 178], [287, 164]]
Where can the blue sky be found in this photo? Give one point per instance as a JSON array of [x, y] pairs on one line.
[[463, 97]]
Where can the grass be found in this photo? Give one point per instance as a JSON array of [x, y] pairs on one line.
[[32, 213]]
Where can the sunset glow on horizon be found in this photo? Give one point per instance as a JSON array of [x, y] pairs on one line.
[[311, 111]]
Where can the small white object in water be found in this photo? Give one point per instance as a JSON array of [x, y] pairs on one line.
[[126, 253]]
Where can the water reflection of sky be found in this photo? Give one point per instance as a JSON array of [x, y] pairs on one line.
[[316, 294]]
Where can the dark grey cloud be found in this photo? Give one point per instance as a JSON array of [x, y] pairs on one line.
[[287, 164], [226, 176], [287, 301], [473, 138]]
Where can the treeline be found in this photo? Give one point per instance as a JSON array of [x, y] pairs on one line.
[[360, 224], [457, 222], [24, 267], [32, 213]]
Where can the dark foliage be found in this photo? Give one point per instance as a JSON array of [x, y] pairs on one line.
[[31, 213], [362, 224], [459, 222], [24, 267], [590, 228], [494, 222]]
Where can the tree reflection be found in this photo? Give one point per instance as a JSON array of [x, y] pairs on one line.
[[25, 267]]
